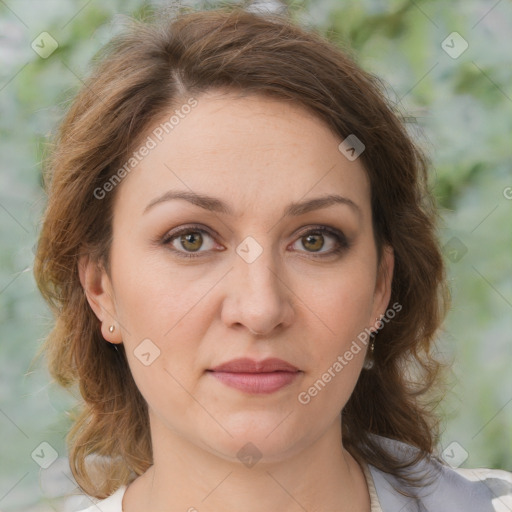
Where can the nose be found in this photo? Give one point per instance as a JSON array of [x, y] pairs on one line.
[[257, 296]]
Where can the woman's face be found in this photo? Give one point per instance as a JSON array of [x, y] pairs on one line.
[[252, 266]]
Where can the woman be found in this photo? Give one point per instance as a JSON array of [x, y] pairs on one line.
[[240, 250]]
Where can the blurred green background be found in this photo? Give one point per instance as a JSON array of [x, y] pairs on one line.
[[455, 90]]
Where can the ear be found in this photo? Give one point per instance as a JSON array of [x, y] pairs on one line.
[[98, 290], [382, 293]]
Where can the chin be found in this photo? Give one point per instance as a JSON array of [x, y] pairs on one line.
[[261, 443]]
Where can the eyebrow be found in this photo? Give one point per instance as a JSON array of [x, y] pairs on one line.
[[214, 204]]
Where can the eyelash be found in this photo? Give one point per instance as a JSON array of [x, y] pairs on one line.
[[341, 241]]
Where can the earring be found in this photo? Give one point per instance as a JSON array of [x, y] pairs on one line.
[[369, 363], [111, 328]]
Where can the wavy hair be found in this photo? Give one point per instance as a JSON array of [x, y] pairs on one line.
[[151, 67]]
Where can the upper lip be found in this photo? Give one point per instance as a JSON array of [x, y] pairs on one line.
[[246, 365]]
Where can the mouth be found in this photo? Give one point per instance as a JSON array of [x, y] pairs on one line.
[[255, 377]]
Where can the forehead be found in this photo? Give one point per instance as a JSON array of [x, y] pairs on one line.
[[250, 150]]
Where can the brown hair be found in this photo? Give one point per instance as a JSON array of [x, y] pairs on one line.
[[141, 74]]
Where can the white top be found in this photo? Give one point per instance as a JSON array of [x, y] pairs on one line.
[[114, 503]]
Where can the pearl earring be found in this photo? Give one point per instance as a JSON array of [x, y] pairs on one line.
[[111, 328]]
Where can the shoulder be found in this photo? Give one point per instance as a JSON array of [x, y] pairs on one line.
[[445, 489], [114, 503]]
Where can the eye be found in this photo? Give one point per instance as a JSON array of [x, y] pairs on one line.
[[187, 241], [314, 241]]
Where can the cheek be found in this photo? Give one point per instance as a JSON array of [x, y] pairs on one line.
[[340, 305], [153, 297], [340, 312], [160, 316]]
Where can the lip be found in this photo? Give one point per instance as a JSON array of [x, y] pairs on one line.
[[252, 376], [246, 365]]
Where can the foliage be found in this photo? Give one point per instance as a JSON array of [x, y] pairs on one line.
[[458, 108]]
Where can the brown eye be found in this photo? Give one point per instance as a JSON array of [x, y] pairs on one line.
[[314, 242], [322, 237], [191, 241], [188, 242]]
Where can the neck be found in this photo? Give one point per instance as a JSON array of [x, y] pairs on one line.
[[320, 476]]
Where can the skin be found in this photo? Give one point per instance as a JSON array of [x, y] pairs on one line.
[[295, 301]]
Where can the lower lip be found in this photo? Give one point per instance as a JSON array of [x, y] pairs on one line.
[[256, 382]]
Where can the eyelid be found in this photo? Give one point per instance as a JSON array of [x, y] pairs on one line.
[[323, 228]]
